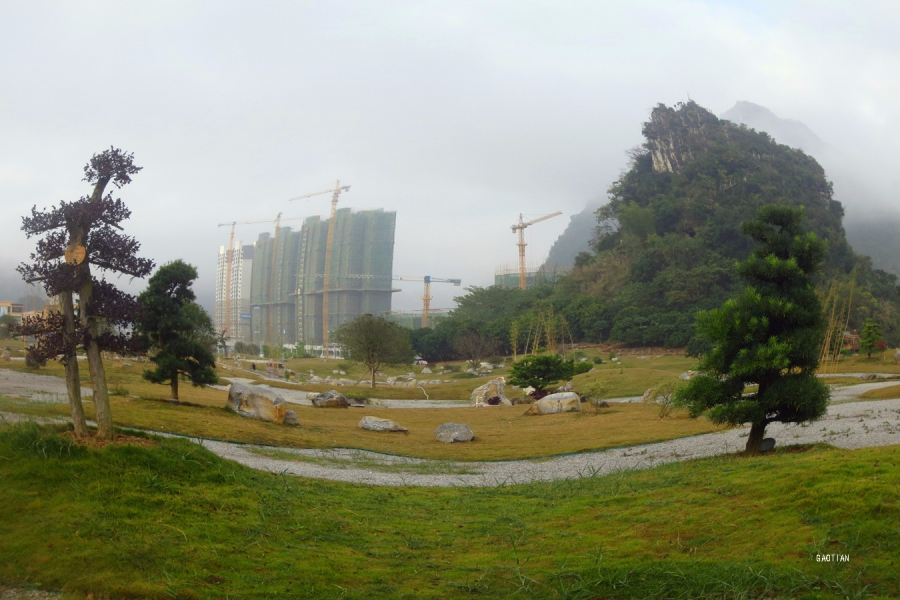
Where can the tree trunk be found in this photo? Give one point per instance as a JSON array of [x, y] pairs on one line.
[[95, 361], [174, 386], [757, 432], [73, 379], [373, 378]]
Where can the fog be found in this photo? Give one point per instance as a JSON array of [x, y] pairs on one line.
[[458, 115]]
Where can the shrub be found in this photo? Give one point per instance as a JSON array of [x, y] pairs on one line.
[[582, 367], [595, 392], [664, 397], [598, 360], [465, 376], [33, 361]]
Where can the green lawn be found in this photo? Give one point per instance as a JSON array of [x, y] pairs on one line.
[[176, 521]]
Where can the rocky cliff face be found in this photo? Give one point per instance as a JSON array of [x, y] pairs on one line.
[[676, 136]]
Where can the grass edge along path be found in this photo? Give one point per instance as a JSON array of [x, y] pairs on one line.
[[174, 520]]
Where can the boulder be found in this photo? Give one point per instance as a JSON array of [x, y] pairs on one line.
[[256, 402], [331, 399], [454, 432], [897, 357], [426, 371], [767, 445], [492, 389], [869, 377], [564, 388], [377, 424], [648, 395], [556, 403], [290, 418]]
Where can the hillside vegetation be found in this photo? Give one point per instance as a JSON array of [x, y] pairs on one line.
[[670, 238]]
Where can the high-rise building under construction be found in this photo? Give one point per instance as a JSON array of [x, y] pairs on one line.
[[287, 285], [235, 301]]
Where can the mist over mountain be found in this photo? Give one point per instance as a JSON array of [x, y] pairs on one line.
[[871, 218], [575, 239]]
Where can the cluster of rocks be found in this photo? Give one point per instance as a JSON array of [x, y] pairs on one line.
[[447, 433], [262, 403]]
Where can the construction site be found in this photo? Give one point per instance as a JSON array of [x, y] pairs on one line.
[[288, 286], [297, 287]]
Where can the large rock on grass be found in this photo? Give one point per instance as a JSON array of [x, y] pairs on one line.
[[556, 403], [256, 402], [491, 393], [378, 424], [332, 399], [454, 432]]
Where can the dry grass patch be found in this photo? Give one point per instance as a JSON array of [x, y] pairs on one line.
[[885, 393], [502, 432]]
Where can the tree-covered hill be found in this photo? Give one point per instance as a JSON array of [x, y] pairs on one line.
[[677, 213], [669, 239]]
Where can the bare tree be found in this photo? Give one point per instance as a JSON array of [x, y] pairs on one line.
[[474, 347]]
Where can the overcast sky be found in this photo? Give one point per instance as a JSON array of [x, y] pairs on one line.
[[458, 115]]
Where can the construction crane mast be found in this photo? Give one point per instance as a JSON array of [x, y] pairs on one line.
[[335, 193], [230, 259], [426, 297], [520, 227]]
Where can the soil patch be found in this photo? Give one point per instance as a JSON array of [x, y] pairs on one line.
[[121, 439]]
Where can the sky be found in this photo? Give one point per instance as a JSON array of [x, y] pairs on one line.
[[459, 115]]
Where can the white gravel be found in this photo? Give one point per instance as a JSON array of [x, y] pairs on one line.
[[848, 424]]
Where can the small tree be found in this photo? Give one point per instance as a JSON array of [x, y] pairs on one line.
[[7, 324], [768, 336], [375, 342], [869, 337], [176, 329], [540, 371], [76, 236], [474, 347]]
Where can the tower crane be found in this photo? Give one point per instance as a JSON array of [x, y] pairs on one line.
[[230, 258], [426, 296], [335, 193], [520, 227]]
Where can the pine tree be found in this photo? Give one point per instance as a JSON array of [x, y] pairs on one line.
[[76, 236], [869, 337], [768, 336], [176, 329]]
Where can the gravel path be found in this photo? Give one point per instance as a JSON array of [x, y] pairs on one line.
[[848, 424]]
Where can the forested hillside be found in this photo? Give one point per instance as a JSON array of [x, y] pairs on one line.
[[671, 238]]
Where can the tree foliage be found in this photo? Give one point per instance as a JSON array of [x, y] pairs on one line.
[[7, 325], [672, 233], [176, 330], [540, 371], [869, 337], [105, 314], [769, 335], [375, 342]]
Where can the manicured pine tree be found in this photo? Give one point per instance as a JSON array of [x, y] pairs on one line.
[[869, 337], [176, 330], [769, 335], [76, 236]]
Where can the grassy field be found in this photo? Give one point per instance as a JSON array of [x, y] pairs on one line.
[[176, 521]]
